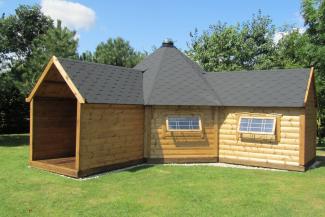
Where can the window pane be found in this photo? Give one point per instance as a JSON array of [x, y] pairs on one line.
[[268, 130], [257, 121], [184, 123], [244, 120], [269, 121], [257, 125]]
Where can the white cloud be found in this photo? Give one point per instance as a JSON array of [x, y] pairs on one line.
[[279, 35], [72, 14], [301, 30]]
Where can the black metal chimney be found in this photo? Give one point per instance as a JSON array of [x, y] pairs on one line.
[[168, 43]]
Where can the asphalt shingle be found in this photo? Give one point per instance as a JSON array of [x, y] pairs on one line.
[[168, 77], [265, 88], [100, 83], [171, 78]]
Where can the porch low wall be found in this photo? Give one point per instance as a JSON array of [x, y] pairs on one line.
[[110, 135]]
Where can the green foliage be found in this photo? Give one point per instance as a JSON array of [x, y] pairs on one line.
[[117, 52], [27, 41], [13, 109], [293, 50], [58, 41], [235, 47], [87, 56], [314, 14], [18, 31]]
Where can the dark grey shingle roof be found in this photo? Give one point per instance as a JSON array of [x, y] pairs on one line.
[[171, 78], [100, 83], [273, 88], [168, 77]]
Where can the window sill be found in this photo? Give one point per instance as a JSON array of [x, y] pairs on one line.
[[257, 133]]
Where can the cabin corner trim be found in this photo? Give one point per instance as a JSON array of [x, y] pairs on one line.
[[40, 80], [309, 84]]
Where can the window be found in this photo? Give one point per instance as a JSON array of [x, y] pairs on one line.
[[183, 123], [257, 125]]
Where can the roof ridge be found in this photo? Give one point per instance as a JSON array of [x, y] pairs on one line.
[[156, 75], [94, 63], [201, 75], [216, 95]]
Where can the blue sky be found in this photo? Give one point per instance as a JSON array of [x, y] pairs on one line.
[[146, 23]]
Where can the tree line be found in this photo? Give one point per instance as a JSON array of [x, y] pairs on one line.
[[28, 39]]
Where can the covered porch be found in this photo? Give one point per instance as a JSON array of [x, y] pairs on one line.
[[53, 123]]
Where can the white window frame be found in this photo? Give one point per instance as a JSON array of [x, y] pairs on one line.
[[184, 116], [257, 117]]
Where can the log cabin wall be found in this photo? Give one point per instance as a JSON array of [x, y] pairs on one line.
[[110, 135], [310, 126], [279, 151], [192, 146]]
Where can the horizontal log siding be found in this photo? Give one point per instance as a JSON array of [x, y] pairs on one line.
[[182, 145], [260, 148], [110, 134], [310, 126]]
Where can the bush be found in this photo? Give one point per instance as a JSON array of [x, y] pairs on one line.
[[13, 108]]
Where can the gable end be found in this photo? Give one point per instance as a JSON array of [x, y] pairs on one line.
[[54, 62]]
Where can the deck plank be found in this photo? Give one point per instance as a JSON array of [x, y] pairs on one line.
[[64, 166]]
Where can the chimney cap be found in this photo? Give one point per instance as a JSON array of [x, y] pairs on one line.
[[168, 42]]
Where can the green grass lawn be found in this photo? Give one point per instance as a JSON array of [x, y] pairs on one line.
[[156, 190]]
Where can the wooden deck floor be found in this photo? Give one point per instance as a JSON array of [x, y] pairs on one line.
[[65, 166], [68, 162]]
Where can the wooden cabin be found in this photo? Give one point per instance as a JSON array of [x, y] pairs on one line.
[[87, 118]]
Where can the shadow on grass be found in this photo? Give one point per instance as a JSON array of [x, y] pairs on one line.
[[12, 140], [139, 168], [321, 160], [320, 156]]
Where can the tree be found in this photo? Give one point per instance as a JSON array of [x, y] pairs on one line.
[[13, 109], [294, 50], [314, 14], [87, 56], [27, 41], [117, 52], [58, 41], [235, 47], [18, 31]]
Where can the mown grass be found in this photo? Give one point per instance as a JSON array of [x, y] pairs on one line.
[[156, 190]]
